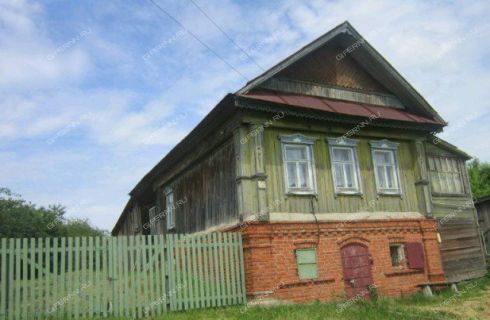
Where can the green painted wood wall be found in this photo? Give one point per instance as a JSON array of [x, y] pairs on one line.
[[326, 201]]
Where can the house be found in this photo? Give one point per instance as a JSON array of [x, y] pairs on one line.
[[483, 210], [328, 165]]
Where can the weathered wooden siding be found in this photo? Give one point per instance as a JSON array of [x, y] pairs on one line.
[[206, 192], [132, 225], [461, 248], [483, 209], [323, 66], [326, 201]]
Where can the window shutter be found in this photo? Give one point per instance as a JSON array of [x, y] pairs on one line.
[[307, 265], [414, 253]]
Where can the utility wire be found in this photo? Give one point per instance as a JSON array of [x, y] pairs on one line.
[[226, 35], [197, 38]]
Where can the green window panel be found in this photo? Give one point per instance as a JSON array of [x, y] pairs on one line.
[[307, 264]]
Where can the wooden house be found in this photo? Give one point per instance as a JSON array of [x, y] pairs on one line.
[[328, 165]]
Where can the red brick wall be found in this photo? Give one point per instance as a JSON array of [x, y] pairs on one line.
[[270, 261]]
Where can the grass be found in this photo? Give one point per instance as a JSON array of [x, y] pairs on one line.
[[445, 305]]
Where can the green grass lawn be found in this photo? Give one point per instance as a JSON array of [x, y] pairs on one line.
[[474, 297]]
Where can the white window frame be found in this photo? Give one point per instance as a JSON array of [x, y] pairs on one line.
[[392, 147], [170, 210], [307, 142], [351, 145]]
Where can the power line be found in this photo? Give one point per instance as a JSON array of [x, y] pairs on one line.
[[226, 35], [197, 38]]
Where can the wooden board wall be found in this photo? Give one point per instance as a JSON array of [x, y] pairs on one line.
[[461, 248], [207, 192], [323, 66]]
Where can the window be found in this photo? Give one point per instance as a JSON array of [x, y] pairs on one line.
[[170, 209], [345, 166], [445, 175], [385, 163], [397, 253], [307, 266], [298, 164]]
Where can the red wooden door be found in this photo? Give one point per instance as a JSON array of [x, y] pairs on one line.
[[356, 264]]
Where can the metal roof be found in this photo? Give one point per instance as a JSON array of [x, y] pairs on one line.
[[339, 107]]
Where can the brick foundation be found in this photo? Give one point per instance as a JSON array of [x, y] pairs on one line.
[[270, 262]]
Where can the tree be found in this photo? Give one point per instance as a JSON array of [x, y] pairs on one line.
[[19, 218], [479, 174]]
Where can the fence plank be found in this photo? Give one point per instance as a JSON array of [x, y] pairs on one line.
[[200, 270], [104, 275], [182, 273], [242, 270], [162, 289], [204, 248], [195, 278], [3, 278]]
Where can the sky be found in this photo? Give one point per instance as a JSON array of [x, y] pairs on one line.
[[94, 93]]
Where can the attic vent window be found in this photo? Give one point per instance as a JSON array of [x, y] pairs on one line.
[[170, 209]]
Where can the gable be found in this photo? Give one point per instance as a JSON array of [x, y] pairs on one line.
[[324, 67], [360, 70]]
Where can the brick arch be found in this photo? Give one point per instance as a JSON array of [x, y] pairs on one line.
[[353, 239]]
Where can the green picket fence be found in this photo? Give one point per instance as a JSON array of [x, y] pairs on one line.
[[134, 276]]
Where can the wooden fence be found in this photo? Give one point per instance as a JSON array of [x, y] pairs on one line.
[[135, 276]]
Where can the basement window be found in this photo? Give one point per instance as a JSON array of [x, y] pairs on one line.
[[397, 253], [307, 264]]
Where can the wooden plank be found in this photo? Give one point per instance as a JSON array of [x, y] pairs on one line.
[[226, 267], [104, 275], [76, 276], [202, 297], [17, 279], [162, 291], [231, 266], [183, 256], [54, 284], [152, 281], [3, 278], [11, 278], [205, 261], [69, 307], [118, 276], [195, 278], [138, 283], [242, 270], [171, 273], [190, 284], [96, 285], [24, 283], [124, 280], [90, 277], [177, 295], [144, 273], [218, 270], [83, 275]]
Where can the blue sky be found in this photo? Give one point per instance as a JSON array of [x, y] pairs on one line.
[[94, 93]]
